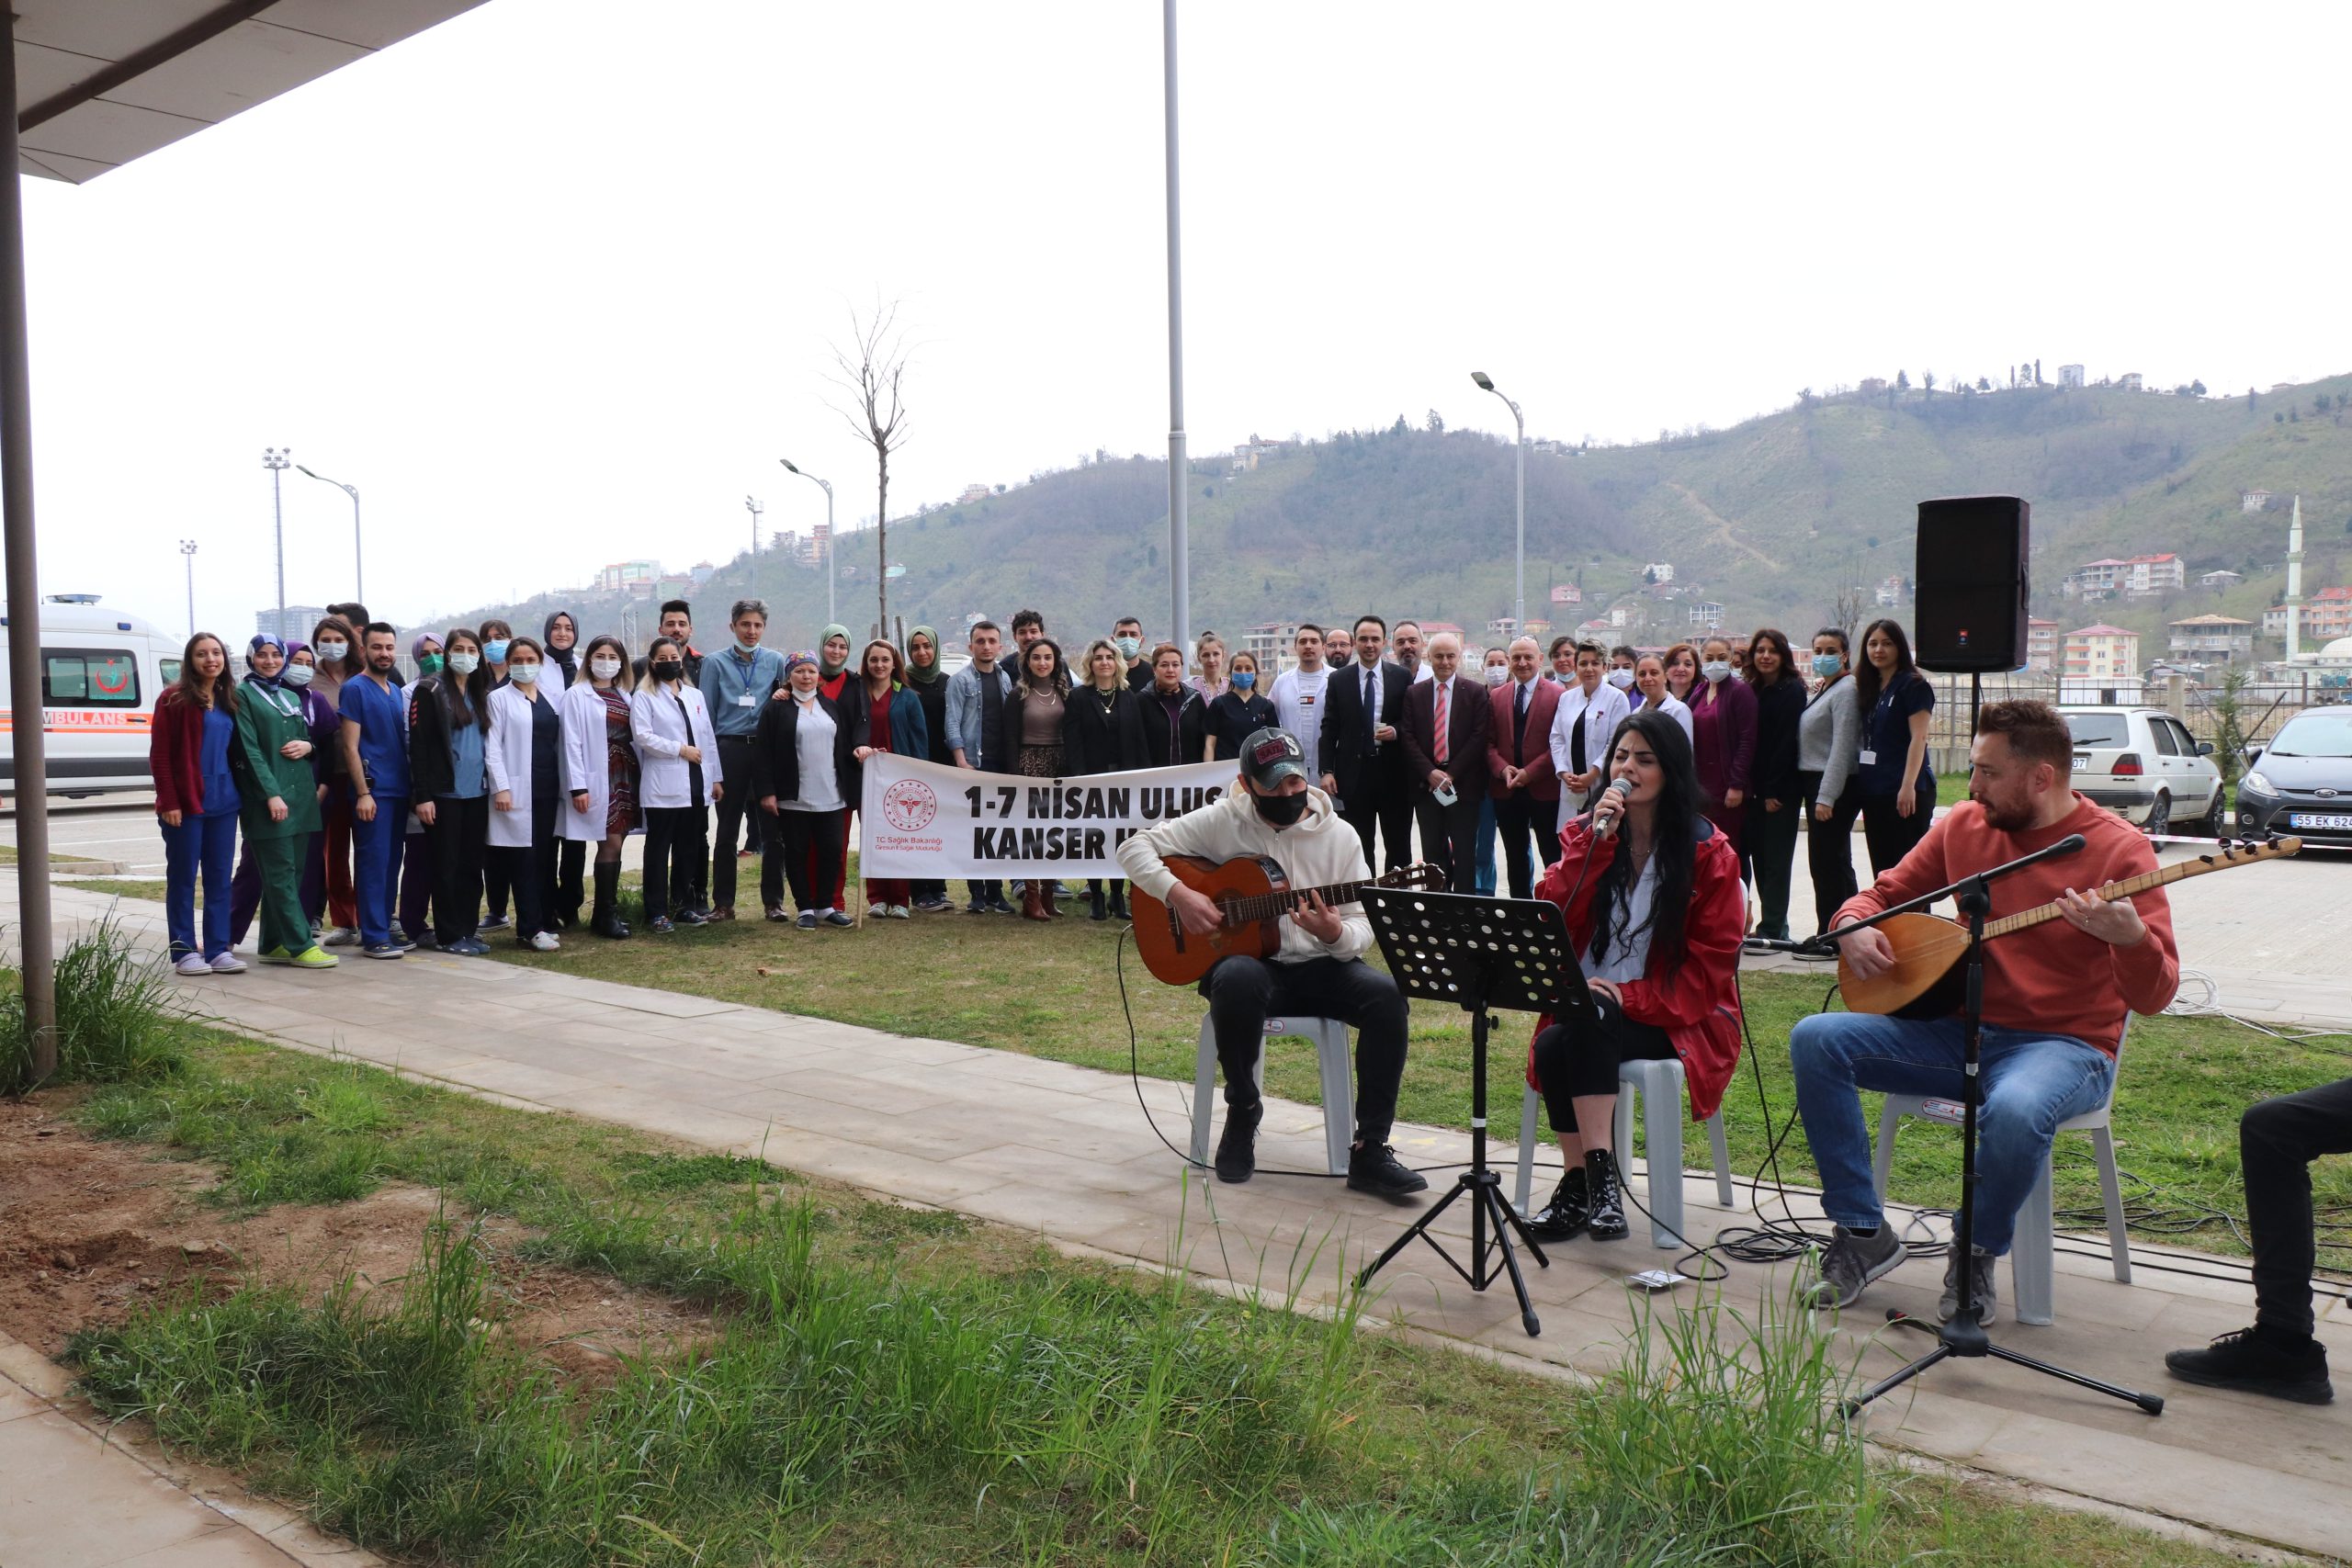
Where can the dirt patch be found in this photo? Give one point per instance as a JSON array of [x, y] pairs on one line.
[[90, 1229]]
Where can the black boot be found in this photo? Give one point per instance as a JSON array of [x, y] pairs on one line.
[[607, 921], [1119, 901], [1094, 910], [1236, 1151], [1570, 1210], [1606, 1194]]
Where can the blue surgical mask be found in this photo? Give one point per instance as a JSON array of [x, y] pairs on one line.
[[1827, 664], [495, 650], [298, 675], [746, 649], [524, 674], [1244, 679], [1129, 647]]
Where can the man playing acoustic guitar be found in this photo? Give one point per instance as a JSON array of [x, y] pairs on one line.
[[1318, 972], [2055, 1000]]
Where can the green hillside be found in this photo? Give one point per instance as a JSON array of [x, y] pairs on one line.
[[1769, 518]]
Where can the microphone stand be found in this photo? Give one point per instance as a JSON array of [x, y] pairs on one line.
[[1964, 1335]]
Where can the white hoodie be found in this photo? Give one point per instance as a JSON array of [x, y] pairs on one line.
[[1319, 850]]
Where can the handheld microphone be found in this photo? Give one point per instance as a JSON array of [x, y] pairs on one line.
[[1604, 823]]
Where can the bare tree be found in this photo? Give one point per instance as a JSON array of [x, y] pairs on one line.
[[872, 364]]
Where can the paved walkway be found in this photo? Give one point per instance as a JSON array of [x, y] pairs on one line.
[[1064, 1151]]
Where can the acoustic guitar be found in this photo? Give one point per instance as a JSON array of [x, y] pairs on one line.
[[1255, 895], [1929, 978]]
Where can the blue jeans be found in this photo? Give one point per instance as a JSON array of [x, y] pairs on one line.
[[209, 844], [1485, 873], [2031, 1082], [376, 867]]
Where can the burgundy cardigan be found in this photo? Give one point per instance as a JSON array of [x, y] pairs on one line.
[[175, 753]]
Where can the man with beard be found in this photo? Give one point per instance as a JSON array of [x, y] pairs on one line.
[[375, 755], [2055, 999], [1271, 811]]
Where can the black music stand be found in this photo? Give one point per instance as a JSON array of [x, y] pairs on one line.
[[1964, 1335], [1476, 953]]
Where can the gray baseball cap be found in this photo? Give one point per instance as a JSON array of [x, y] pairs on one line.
[[1270, 756]]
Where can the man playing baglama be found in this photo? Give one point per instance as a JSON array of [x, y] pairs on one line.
[[1319, 973], [2055, 1000]]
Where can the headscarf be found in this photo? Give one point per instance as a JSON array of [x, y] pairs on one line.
[[923, 677], [802, 656], [566, 658], [255, 677], [416, 649], [834, 630]]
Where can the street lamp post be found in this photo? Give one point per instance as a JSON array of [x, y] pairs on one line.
[[1519, 589], [358, 557], [1180, 563], [187, 548], [751, 505], [827, 486], [277, 460]]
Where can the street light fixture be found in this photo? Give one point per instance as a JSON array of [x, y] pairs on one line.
[[277, 460], [751, 505], [187, 548], [827, 486], [1518, 590], [358, 559]]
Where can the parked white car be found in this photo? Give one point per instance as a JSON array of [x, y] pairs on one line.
[[2143, 764]]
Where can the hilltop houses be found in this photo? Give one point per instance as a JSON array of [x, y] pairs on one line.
[[2141, 577]]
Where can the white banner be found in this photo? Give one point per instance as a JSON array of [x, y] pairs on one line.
[[922, 821]]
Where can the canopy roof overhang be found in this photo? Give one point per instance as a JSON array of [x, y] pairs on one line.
[[102, 82]]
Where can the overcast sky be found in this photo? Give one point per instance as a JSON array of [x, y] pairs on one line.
[[554, 282]]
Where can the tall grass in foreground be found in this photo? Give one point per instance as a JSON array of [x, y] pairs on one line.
[[118, 1016]]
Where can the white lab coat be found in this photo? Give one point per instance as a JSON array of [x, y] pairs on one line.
[[508, 758], [665, 781], [1603, 712], [586, 762]]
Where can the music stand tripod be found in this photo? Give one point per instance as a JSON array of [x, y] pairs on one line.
[[1964, 1335], [1476, 953]]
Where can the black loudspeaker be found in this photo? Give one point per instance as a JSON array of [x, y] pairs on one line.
[[1972, 586]]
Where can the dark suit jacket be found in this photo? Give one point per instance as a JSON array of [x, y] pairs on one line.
[[1469, 720], [1360, 776], [1534, 751]]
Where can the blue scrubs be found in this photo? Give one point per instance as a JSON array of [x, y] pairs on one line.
[[382, 718], [204, 842]]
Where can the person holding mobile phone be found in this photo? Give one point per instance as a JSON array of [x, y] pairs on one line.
[[1446, 723]]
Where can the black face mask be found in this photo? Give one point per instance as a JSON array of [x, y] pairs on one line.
[[668, 668], [1280, 810]]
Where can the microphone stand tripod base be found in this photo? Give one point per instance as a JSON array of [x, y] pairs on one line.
[[1965, 1338]]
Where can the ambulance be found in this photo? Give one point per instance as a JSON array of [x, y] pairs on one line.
[[101, 671]]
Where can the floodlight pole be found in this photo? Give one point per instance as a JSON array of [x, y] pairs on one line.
[[751, 505], [827, 486], [1180, 588], [28, 741], [278, 460]]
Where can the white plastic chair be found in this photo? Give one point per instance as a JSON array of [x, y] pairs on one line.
[[2031, 1266], [1330, 1038], [1659, 1083]]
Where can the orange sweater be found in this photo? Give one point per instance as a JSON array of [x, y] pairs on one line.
[[2050, 976]]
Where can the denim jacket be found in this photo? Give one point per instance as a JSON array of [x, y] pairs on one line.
[[964, 711]]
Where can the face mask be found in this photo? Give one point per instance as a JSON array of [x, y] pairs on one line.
[[1244, 679], [1716, 670], [464, 664], [669, 669], [298, 675], [1826, 664], [334, 652], [524, 674], [429, 665], [1129, 647], [1497, 674], [746, 649], [804, 698], [604, 669], [1281, 811], [495, 650], [1622, 679]]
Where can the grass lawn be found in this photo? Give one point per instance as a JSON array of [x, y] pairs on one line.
[[1012, 985], [884, 1385], [125, 888]]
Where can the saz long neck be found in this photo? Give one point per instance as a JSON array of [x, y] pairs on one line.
[[2131, 886]]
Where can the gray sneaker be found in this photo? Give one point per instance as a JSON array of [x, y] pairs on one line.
[[1948, 1305], [1852, 1261]]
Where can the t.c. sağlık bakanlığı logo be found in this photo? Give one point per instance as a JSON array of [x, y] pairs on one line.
[[909, 806]]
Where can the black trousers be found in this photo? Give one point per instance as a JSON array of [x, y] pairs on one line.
[[493, 885], [1516, 815], [530, 872], [677, 849], [2277, 1140], [1575, 1058], [984, 892], [460, 834], [1383, 805], [1891, 837], [1245, 992], [1450, 838], [815, 845], [1829, 850], [1767, 853], [738, 810], [571, 865]]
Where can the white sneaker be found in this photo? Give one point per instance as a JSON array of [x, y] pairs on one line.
[[192, 963], [875, 911], [901, 912], [228, 963], [341, 936], [544, 942]]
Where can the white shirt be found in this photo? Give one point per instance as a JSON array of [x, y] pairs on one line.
[[1676, 709], [1601, 712], [1629, 948], [812, 743], [1298, 698], [1371, 688]]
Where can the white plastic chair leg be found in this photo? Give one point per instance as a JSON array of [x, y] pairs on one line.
[[1338, 1091], [1529, 1103], [2111, 1188], [1721, 1147], [1662, 1138], [2030, 1265], [1203, 1085], [1890, 1121]]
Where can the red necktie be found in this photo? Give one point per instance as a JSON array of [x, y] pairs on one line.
[[1443, 688]]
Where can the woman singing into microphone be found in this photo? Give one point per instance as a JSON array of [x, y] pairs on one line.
[[1651, 896]]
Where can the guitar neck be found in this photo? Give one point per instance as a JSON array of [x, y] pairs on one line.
[[1274, 905], [2131, 887]]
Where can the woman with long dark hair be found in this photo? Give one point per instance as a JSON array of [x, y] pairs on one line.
[[1829, 749], [449, 733], [559, 642], [1897, 786], [335, 644], [930, 687], [677, 762], [415, 911], [600, 763], [1655, 911], [189, 743], [281, 799], [496, 637], [879, 714], [1768, 849], [1035, 716], [524, 758]]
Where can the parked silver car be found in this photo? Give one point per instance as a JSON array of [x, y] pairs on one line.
[[2301, 783], [2144, 765]]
